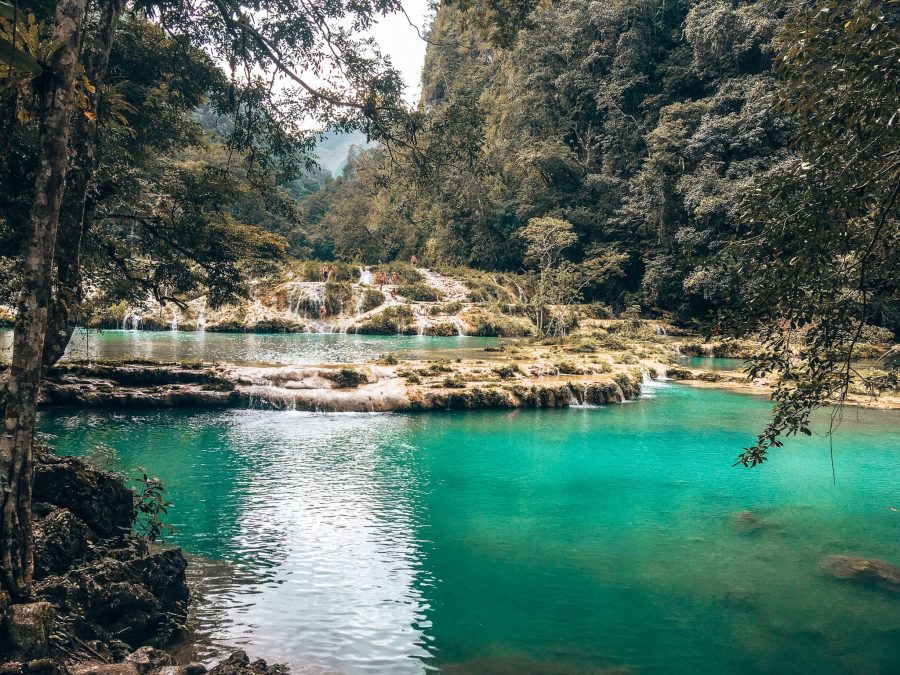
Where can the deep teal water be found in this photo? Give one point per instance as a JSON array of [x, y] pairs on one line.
[[258, 348], [554, 541]]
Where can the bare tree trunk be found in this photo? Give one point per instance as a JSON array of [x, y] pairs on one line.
[[65, 306], [57, 90]]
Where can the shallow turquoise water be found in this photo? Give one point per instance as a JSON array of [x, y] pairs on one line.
[[554, 541], [254, 348], [712, 362]]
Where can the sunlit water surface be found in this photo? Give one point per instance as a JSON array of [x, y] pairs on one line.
[[259, 348], [553, 541]]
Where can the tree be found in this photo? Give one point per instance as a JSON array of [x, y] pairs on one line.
[[261, 42], [558, 283], [816, 260], [56, 92]]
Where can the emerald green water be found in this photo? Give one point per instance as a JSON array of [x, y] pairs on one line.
[[258, 348], [554, 541]]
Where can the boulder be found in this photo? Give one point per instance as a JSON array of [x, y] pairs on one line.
[[96, 668], [26, 631], [239, 664], [140, 601], [98, 498], [60, 539], [34, 667], [189, 669], [865, 570], [149, 659]]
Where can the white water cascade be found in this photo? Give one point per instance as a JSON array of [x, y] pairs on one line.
[[174, 326], [460, 326], [365, 277], [201, 316], [131, 320], [420, 319]]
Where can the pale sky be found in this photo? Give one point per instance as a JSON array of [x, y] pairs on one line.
[[399, 40]]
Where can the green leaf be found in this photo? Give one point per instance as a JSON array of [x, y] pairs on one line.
[[7, 11], [17, 58]]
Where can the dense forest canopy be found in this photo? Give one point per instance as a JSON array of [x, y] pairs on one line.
[[643, 124]]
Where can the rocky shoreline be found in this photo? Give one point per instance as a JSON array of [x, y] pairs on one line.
[[368, 388], [104, 603]]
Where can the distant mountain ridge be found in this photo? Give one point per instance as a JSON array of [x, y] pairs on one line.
[[332, 150]]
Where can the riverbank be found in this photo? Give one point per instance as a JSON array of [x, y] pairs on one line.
[[105, 601], [407, 386], [604, 361]]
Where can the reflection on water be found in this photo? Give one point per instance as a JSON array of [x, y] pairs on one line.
[[259, 348], [712, 362], [556, 541]]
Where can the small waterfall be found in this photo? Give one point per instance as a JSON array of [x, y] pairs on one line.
[[521, 292], [420, 319], [365, 276], [575, 402], [174, 327], [460, 326], [649, 385], [201, 317], [305, 299], [131, 320], [359, 304]]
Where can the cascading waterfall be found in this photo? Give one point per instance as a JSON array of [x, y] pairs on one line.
[[305, 299], [365, 276], [174, 326], [131, 320], [201, 317], [521, 292], [460, 326], [420, 319]]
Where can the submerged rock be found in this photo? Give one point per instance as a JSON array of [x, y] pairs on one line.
[[748, 522], [865, 570]]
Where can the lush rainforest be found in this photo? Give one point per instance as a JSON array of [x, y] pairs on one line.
[[644, 124]]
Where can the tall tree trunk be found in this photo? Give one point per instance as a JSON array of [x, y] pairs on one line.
[[65, 306], [57, 90]]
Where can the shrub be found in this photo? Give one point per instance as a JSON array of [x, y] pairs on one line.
[[508, 371], [347, 378], [150, 507], [372, 299], [587, 346], [406, 273], [454, 381], [337, 297], [489, 325], [311, 270], [410, 376], [391, 321], [569, 368], [419, 292]]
